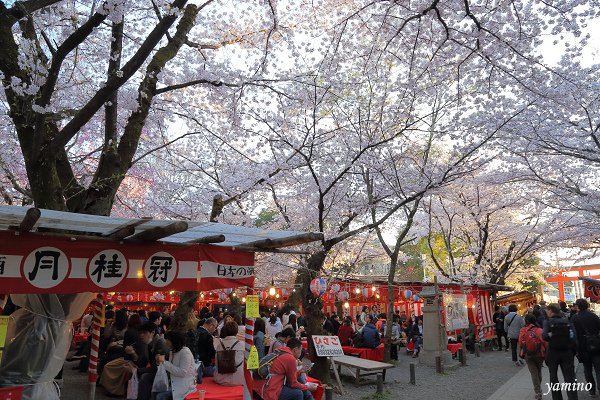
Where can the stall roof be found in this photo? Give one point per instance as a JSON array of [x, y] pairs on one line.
[[381, 282], [147, 229]]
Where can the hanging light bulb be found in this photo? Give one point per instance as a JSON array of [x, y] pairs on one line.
[[346, 305], [272, 288], [201, 295], [357, 290], [234, 294], [243, 299], [373, 288], [277, 296], [377, 295], [294, 290]]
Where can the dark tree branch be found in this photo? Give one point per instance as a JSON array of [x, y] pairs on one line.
[[74, 40], [115, 82]]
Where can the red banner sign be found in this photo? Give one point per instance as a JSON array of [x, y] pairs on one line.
[[31, 263]]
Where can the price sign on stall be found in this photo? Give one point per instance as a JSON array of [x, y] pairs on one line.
[[327, 346], [3, 329], [252, 362], [252, 307]]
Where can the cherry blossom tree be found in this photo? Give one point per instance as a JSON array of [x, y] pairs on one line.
[[482, 230]]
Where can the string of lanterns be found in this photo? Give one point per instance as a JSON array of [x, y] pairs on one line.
[[319, 288]]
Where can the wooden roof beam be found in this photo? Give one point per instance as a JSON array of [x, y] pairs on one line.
[[263, 250], [208, 239], [285, 242], [31, 217], [158, 232], [125, 230]]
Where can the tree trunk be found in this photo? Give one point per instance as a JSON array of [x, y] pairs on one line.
[[389, 322], [390, 312], [187, 301], [313, 310]]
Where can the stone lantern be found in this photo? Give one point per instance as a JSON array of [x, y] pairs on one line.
[[434, 334]]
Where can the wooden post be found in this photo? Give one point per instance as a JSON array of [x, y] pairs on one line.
[[31, 217], [438, 365], [328, 392], [337, 376], [412, 374], [439, 314], [379, 384], [464, 338]]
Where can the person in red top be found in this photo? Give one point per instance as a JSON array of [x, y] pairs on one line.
[[533, 353], [283, 383], [345, 332]]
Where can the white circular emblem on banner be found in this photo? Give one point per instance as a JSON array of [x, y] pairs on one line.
[[160, 269], [46, 267], [107, 268]]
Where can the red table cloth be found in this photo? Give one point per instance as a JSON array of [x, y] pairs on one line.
[[375, 354], [454, 347], [214, 391], [80, 337], [11, 393], [317, 394]]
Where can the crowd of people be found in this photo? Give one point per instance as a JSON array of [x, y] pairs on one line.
[[136, 343], [273, 330], [553, 334], [139, 343], [133, 343]]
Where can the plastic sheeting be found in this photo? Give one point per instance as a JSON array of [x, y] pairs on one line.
[[38, 339]]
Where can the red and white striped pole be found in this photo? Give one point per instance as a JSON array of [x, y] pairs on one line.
[[95, 329], [249, 340]]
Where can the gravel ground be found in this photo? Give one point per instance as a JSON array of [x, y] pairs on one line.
[[478, 380]]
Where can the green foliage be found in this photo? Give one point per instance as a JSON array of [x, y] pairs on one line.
[[411, 269], [529, 278], [265, 217]]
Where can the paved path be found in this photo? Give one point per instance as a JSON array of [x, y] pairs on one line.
[[519, 387]]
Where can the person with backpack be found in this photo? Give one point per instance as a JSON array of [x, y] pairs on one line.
[[229, 358], [587, 327], [560, 335], [533, 350], [498, 319], [280, 382], [513, 323]]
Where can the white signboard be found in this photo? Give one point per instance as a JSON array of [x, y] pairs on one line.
[[456, 311], [327, 346]]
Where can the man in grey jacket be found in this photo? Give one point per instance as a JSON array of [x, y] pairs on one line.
[[513, 323]]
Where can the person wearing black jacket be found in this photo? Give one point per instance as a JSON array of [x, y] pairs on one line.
[[146, 375], [371, 337], [587, 326], [205, 349], [335, 322], [561, 338], [498, 319], [328, 326]]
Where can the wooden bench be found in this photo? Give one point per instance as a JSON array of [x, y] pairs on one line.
[[361, 367]]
